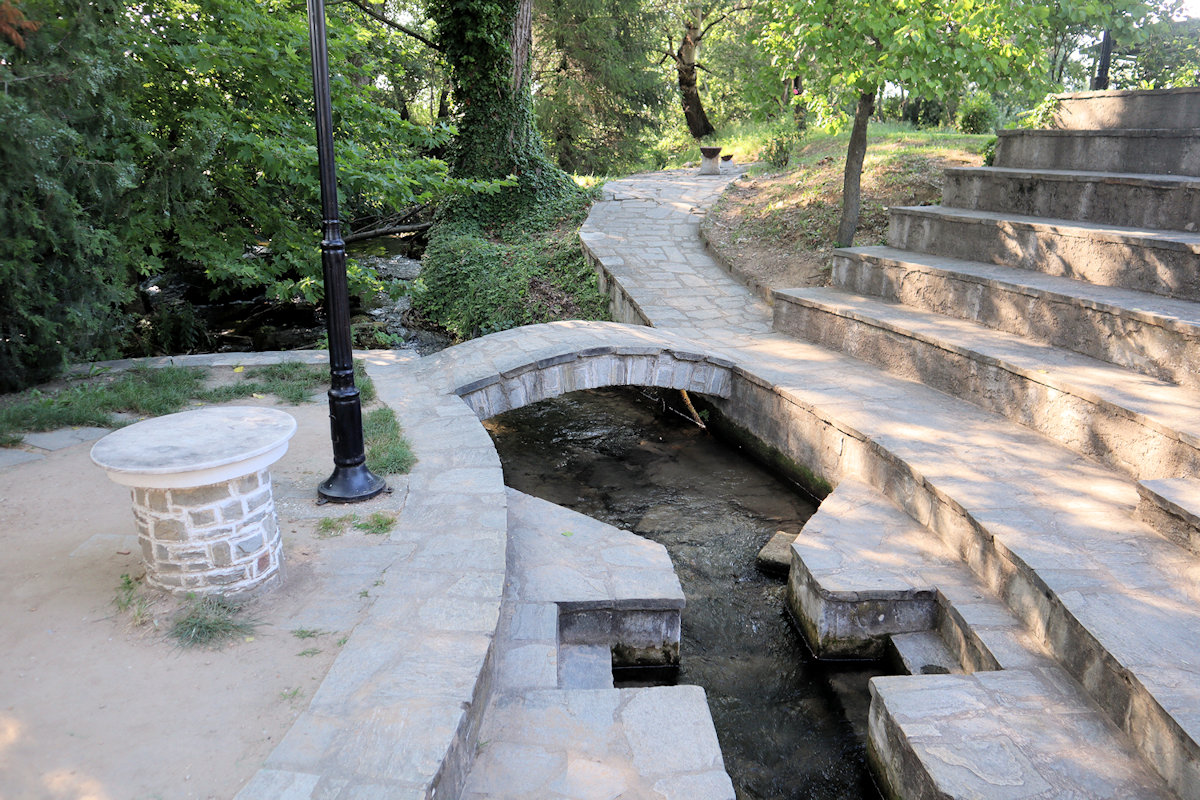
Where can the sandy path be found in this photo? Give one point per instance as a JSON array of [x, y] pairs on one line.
[[93, 708]]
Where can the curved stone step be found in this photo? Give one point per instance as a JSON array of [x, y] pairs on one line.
[[1155, 335], [856, 568], [1160, 262], [1161, 202], [1158, 151], [1007, 734], [1144, 427]]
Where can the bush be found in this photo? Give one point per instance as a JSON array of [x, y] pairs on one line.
[[475, 280], [923, 113], [976, 114], [777, 150]]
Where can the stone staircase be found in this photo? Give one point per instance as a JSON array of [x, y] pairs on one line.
[[1059, 289]]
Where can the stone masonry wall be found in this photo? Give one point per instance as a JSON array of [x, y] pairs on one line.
[[221, 538]]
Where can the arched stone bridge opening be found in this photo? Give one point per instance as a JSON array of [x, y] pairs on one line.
[[596, 367]]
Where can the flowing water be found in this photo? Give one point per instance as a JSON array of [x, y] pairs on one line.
[[789, 726]]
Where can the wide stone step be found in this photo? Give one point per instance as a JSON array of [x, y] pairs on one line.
[[1004, 734], [1155, 335], [1134, 108], [1162, 202], [1157, 151], [1159, 262], [864, 572], [1144, 427]]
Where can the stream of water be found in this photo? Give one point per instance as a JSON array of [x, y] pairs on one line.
[[789, 726]]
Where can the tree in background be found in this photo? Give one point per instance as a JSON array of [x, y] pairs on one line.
[[847, 50], [1166, 55], [693, 21], [597, 87], [64, 189], [1071, 25], [488, 46], [176, 138]]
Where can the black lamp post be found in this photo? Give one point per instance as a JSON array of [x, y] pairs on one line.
[[351, 480]]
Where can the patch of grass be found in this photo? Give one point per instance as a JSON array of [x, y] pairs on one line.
[[331, 527], [310, 652], [130, 600], [94, 400], [306, 633], [388, 452], [148, 391], [799, 209], [209, 622], [376, 524]]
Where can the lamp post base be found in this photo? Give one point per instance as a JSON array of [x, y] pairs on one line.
[[350, 485]]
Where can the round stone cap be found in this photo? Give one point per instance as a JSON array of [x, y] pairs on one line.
[[195, 448]]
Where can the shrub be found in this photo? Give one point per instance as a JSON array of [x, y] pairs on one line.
[[976, 114]]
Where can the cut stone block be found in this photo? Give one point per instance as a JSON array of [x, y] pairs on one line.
[[1172, 507], [1153, 151], [1167, 202], [856, 574], [1151, 334], [924, 653], [775, 558], [1159, 262], [1139, 108], [1010, 734]]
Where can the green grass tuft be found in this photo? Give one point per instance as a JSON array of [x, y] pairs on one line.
[[388, 452], [209, 622], [376, 524]]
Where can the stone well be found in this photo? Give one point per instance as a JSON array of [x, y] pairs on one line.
[[201, 494]]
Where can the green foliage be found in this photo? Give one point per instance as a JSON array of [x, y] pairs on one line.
[[388, 452], [481, 279], [377, 524], [176, 136], [598, 90], [63, 191], [777, 151], [976, 114], [1165, 55]]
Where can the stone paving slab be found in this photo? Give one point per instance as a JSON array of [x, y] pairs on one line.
[[63, 438], [555, 727], [1006, 735]]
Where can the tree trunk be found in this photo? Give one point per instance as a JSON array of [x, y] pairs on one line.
[[489, 56], [689, 93], [852, 178]]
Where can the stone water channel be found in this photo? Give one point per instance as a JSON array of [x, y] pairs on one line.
[[789, 726]]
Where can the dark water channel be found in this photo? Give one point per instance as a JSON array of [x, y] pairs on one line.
[[789, 726]]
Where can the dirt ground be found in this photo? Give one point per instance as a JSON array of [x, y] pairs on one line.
[[96, 707], [773, 262]]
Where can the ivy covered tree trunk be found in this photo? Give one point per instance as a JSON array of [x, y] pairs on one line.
[[488, 44], [689, 92], [852, 177]]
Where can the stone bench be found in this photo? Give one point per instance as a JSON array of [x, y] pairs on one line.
[[202, 496]]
